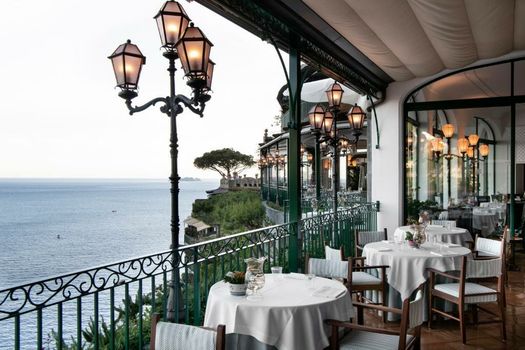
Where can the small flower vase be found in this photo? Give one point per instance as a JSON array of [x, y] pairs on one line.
[[419, 236], [238, 289], [412, 244]]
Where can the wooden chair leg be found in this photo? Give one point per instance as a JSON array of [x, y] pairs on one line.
[[430, 299], [462, 323], [475, 314], [502, 315], [384, 297]]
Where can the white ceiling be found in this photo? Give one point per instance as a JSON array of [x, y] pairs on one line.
[[419, 38]]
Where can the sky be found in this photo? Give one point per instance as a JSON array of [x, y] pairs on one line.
[[60, 116]]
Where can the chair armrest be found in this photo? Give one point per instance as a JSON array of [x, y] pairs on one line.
[[447, 274], [336, 323], [378, 307], [368, 267]]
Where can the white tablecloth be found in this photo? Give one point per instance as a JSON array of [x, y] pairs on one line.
[[485, 221], [287, 316], [454, 235], [408, 265]]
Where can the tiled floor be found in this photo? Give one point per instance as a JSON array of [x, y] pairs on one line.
[[445, 334]]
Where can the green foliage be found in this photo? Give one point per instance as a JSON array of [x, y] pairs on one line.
[[414, 207], [235, 211], [104, 331], [224, 161]]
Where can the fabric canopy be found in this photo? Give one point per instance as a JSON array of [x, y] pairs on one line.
[[417, 38], [315, 92]]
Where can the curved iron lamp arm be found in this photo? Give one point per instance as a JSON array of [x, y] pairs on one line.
[[169, 105]]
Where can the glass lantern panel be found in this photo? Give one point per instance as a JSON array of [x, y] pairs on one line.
[[132, 69], [118, 68]]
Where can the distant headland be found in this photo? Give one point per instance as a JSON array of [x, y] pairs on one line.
[[190, 179]]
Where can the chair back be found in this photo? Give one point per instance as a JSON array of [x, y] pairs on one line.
[[449, 224], [168, 336], [490, 247], [484, 268], [333, 254], [328, 268], [365, 237]]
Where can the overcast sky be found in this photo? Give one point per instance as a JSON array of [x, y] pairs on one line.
[[61, 116]]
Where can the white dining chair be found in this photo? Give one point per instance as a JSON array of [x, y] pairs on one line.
[[170, 336], [333, 254], [466, 289], [361, 238], [364, 337]]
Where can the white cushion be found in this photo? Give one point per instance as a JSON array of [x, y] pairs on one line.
[[361, 340], [360, 278], [470, 288], [171, 336]]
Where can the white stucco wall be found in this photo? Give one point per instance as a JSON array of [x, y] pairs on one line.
[[387, 161]]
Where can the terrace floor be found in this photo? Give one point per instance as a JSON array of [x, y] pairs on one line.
[[445, 334]]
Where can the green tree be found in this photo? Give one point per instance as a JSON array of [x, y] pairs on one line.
[[224, 161]]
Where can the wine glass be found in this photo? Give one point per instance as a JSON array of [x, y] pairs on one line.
[[311, 278]]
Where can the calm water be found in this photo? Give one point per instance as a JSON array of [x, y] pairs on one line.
[[98, 222]]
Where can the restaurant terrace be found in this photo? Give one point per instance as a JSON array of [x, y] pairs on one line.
[[399, 169]]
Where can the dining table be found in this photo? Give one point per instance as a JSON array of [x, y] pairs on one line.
[[288, 314], [408, 266], [452, 235]]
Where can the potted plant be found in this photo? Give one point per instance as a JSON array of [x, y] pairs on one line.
[[237, 282], [409, 237]]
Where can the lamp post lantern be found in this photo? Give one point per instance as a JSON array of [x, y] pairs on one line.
[[179, 38]]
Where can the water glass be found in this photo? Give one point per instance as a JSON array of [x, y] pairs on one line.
[[278, 271]]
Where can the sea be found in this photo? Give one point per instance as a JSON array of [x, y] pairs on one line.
[[53, 227]]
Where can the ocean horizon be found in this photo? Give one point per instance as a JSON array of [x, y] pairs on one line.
[[52, 226]]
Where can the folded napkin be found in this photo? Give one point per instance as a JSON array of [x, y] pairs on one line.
[[384, 249], [443, 254], [435, 226], [296, 276], [387, 241], [328, 292], [451, 245]]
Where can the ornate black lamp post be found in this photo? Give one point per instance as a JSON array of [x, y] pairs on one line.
[[180, 39]]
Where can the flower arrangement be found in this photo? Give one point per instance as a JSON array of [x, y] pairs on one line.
[[237, 282], [235, 277]]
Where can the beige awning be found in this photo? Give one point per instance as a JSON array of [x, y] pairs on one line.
[[417, 38]]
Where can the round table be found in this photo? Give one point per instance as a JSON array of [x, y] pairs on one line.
[[287, 316], [408, 267], [455, 235], [484, 220]]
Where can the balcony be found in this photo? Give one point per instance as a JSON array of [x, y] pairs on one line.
[[110, 307]]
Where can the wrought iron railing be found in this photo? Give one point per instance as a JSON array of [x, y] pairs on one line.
[[63, 312], [337, 230], [109, 307]]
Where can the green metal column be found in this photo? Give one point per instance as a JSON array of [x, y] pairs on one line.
[[317, 169], [294, 162], [512, 224]]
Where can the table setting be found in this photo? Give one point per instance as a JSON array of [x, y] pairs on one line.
[[438, 234], [284, 311]]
